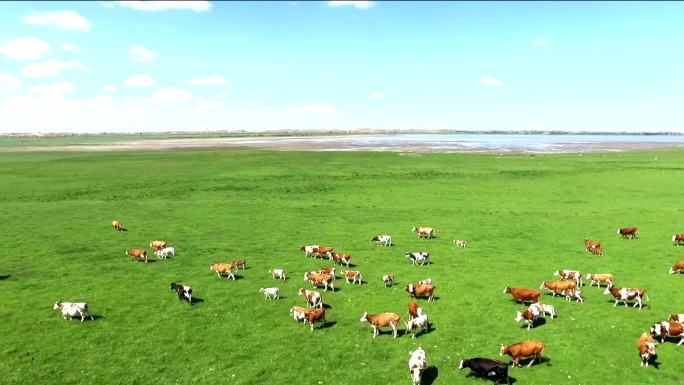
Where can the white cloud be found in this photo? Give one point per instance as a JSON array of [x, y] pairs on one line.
[[490, 81], [70, 47], [142, 54], [170, 95], [355, 4], [377, 95], [8, 82], [142, 80], [69, 20], [222, 95], [110, 88], [51, 68], [153, 6], [207, 81], [25, 48], [51, 90]]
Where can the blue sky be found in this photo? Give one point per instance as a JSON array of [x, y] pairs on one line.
[[169, 66]]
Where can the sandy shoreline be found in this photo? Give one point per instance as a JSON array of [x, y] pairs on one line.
[[346, 143]]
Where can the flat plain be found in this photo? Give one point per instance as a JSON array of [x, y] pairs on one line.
[[524, 217]]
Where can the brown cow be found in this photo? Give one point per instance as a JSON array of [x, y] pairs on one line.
[[382, 319], [557, 287], [677, 267], [676, 318], [647, 348], [313, 298], [668, 329], [157, 245], [117, 225], [322, 251], [137, 254], [341, 258], [593, 247], [522, 350], [414, 310], [223, 268], [318, 279], [424, 232], [353, 276], [420, 290], [314, 315], [522, 294], [238, 263], [598, 278], [628, 232], [678, 239], [328, 270]]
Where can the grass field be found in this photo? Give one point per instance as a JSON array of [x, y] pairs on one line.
[[524, 217]]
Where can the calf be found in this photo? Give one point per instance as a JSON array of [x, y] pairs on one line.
[[528, 316], [137, 254], [315, 315], [414, 310], [157, 245], [571, 275], [270, 292], [556, 287], [164, 253], [424, 232], [624, 294], [383, 240], [677, 267], [677, 318], [73, 309], [461, 243], [388, 280], [493, 370], [417, 364], [573, 294], [318, 279], [420, 290], [277, 273], [421, 257], [298, 313], [668, 329], [647, 348], [628, 232], [117, 225], [381, 320], [522, 294], [522, 350], [184, 292], [239, 263], [313, 298], [599, 278], [223, 268], [678, 239], [419, 323]]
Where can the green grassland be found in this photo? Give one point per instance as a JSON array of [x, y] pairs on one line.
[[524, 217]]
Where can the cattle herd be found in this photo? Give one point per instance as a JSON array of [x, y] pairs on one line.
[[568, 286]]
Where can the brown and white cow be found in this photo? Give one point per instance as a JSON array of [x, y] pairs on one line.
[[239, 263], [524, 349], [424, 232], [157, 245], [556, 287], [628, 232], [137, 254], [462, 243], [388, 280], [647, 348], [668, 329], [414, 310], [678, 239], [381, 320], [677, 267], [352, 276], [313, 298], [593, 247], [298, 313], [323, 251], [329, 270], [419, 290], [117, 225], [570, 275], [318, 279], [522, 294], [526, 315], [677, 318], [573, 294], [625, 294], [597, 279], [314, 315], [226, 269], [308, 249], [341, 258]]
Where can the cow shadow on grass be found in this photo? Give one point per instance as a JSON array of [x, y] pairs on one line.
[[526, 361], [327, 306], [629, 305], [196, 300], [541, 321], [511, 380], [327, 324], [4, 277], [430, 374]]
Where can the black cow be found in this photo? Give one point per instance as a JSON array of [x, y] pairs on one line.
[[494, 370], [184, 292]]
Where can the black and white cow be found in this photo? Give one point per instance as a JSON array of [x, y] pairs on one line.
[[484, 367], [184, 292], [421, 256]]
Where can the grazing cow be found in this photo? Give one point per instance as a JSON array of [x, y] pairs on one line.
[[318, 279], [380, 320], [493, 370], [157, 245], [308, 250], [277, 273], [298, 313], [556, 287], [522, 294], [315, 315], [164, 253], [522, 350], [419, 323], [678, 239], [426, 281], [414, 310], [596, 250], [668, 329], [383, 240], [421, 256], [341, 258], [73, 309], [388, 280], [647, 348], [677, 267], [117, 225], [628, 232], [591, 244], [313, 298], [419, 290], [417, 364], [462, 243], [323, 251], [137, 254], [424, 232], [270, 292], [184, 292], [570, 275], [328, 270], [239, 263], [624, 294], [677, 318], [223, 268], [599, 278], [573, 294], [528, 316], [354, 276]]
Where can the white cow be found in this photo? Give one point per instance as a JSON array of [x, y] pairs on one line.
[[277, 273], [541, 310], [421, 256], [421, 322], [383, 240], [71, 310], [309, 250], [426, 281], [417, 363], [164, 253], [462, 243], [270, 292]]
